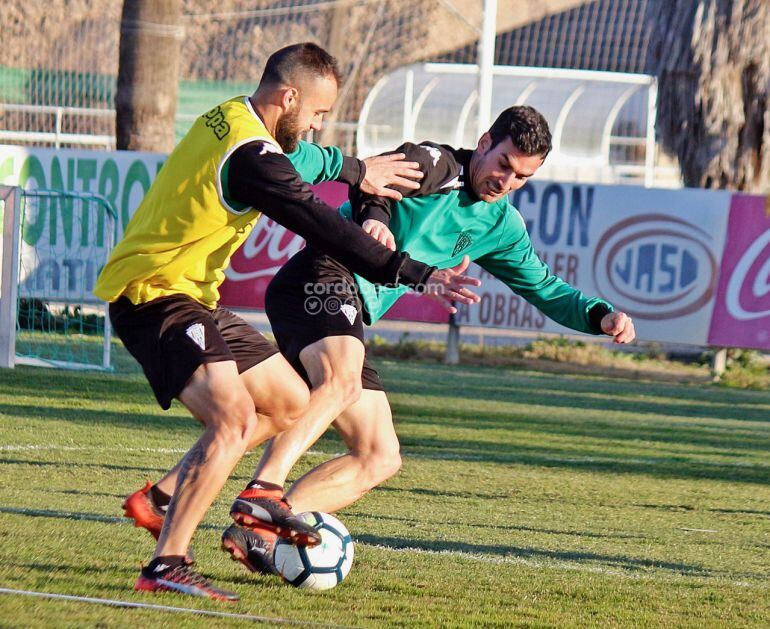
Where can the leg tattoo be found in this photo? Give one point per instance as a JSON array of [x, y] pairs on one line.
[[188, 473]]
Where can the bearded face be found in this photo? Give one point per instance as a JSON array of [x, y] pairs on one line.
[[288, 130]]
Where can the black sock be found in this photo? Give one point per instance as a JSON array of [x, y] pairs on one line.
[[160, 565], [260, 484], [159, 498]]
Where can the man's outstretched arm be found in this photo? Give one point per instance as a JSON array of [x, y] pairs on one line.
[[516, 264], [383, 175], [266, 180]]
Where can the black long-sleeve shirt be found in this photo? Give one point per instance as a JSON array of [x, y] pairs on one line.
[[262, 178]]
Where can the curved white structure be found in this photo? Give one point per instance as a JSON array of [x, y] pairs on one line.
[[601, 121]]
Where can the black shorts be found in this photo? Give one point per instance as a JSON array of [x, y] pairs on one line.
[[311, 297], [170, 337]]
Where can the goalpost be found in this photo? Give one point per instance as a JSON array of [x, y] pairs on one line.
[[54, 244]]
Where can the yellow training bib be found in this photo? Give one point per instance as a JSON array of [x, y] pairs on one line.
[[181, 237]]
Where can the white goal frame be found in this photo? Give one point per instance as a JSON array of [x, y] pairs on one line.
[[11, 197]]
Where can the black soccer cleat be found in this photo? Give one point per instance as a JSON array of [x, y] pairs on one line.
[[259, 509], [182, 580], [253, 549]]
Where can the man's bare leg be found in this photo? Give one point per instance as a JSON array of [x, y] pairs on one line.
[[218, 399], [333, 365], [277, 392], [372, 457]]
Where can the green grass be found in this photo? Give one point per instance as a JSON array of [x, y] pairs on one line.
[[525, 499]]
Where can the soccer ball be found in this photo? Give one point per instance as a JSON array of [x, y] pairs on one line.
[[320, 567]]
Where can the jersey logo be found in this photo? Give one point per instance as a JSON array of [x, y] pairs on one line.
[[453, 184], [463, 242], [267, 148], [215, 120], [434, 153], [349, 311], [197, 334]]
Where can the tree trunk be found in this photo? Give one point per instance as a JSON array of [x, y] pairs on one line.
[[712, 58], [148, 75]]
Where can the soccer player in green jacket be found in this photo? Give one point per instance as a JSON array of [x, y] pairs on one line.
[[317, 306]]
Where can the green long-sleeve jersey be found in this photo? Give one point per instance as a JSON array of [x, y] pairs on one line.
[[444, 220]]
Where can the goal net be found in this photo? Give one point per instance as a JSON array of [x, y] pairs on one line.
[[54, 245]]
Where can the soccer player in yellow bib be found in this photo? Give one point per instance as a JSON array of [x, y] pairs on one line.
[[162, 283]]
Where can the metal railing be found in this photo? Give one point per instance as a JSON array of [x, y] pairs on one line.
[[57, 137], [345, 131]]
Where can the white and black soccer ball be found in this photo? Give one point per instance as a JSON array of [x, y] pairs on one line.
[[320, 567]]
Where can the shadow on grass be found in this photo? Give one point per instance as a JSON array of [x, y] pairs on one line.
[[96, 417], [593, 401], [78, 492], [88, 517], [487, 384], [497, 527], [86, 570], [632, 564], [463, 399], [657, 465], [666, 507], [421, 491], [722, 440], [63, 515], [156, 471], [54, 383], [761, 514]]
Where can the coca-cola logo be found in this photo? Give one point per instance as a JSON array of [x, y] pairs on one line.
[[655, 266], [748, 290], [271, 244]]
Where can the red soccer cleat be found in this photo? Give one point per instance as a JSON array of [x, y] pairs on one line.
[[253, 549], [182, 580], [139, 508], [259, 509]]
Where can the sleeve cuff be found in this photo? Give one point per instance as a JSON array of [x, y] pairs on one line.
[[596, 313], [412, 273], [374, 213], [353, 171]]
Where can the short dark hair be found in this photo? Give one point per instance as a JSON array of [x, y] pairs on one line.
[[287, 65], [526, 127]]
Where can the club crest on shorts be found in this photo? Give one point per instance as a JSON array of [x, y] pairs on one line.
[[197, 333], [349, 311]]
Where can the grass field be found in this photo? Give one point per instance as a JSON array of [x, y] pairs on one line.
[[525, 499]]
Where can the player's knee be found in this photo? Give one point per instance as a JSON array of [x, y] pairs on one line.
[[289, 406], [382, 465], [389, 465], [349, 385], [236, 421]]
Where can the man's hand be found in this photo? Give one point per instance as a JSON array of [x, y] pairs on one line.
[[380, 232], [448, 285], [620, 326], [390, 170]]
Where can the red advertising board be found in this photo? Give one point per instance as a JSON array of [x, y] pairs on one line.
[[741, 316], [270, 245]]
